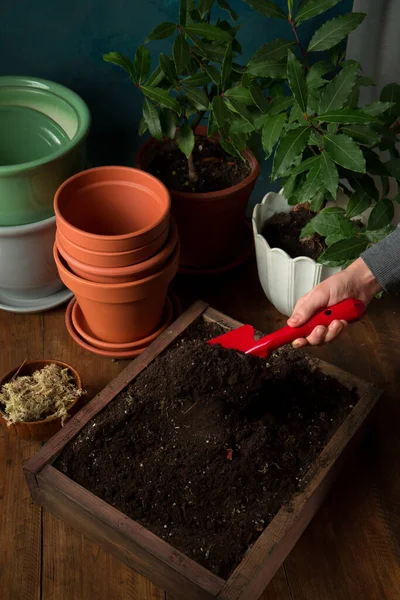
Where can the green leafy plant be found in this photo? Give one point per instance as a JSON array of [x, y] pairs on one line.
[[320, 139], [304, 112], [195, 82]]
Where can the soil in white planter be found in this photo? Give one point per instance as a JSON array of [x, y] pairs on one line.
[[207, 444], [283, 231]]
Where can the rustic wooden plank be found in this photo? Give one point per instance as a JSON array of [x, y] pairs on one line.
[[75, 568], [130, 542], [78, 421], [258, 567], [20, 519]]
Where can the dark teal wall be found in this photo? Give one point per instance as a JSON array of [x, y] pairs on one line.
[[65, 40]]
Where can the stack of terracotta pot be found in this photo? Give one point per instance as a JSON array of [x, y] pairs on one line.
[[117, 250]]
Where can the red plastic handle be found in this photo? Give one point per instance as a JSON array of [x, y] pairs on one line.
[[349, 310]]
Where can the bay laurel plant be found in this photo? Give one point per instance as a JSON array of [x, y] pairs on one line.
[[300, 103]]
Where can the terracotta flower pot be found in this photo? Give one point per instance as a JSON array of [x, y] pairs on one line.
[[112, 209], [209, 224], [45, 429], [121, 312], [113, 259], [122, 274]]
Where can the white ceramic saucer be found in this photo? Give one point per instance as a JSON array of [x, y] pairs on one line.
[[35, 305]]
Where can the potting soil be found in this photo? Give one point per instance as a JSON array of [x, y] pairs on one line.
[[207, 444], [215, 168]]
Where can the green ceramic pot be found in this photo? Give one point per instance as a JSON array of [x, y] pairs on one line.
[[44, 126]]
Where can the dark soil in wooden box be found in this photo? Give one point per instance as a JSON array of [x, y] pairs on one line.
[[207, 444]]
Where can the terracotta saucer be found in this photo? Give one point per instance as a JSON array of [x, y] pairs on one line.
[[81, 327], [244, 250], [117, 354]]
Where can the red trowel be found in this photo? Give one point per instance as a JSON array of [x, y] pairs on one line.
[[242, 338]]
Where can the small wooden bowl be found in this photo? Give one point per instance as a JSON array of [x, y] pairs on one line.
[[45, 429]]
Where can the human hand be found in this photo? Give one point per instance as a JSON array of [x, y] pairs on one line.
[[356, 281]]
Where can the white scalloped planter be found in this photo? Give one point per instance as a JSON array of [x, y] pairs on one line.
[[283, 279]]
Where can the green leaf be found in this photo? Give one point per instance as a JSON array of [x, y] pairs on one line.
[[362, 134], [345, 116], [364, 81], [338, 90], [271, 132], [152, 119], [196, 80], [327, 223], [358, 203], [279, 104], [213, 73], [344, 250], [198, 98], [239, 108], [378, 235], [221, 113], [143, 127], [332, 239], [306, 165], [231, 148], [297, 80], [162, 31], [185, 139], [312, 184], [226, 69], [344, 151], [393, 166], [377, 108], [161, 97], [225, 6], [169, 122], [267, 8], [311, 8], [365, 186], [122, 61], [314, 76], [156, 78], [184, 9], [258, 97], [317, 201], [270, 59], [391, 93], [240, 94], [241, 126], [334, 31], [181, 53], [329, 174], [168, 68], [142, 63], [205, 6], [307, 231], [381, 215], [289, 148], [209, 32]]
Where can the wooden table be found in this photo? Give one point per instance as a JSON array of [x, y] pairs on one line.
[[351, 551]]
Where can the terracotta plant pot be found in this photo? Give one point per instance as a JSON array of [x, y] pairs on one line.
[[82, 328], [112, 209], [39, 430], [209, 224], [122, 274], [112, 259], [121, 312]]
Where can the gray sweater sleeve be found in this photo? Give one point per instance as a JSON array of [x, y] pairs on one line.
[[383, 259]]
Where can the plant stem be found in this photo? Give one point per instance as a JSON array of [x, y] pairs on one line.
[[191, 169], [296, 35]]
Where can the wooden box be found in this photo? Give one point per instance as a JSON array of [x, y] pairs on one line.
[[151, 556]]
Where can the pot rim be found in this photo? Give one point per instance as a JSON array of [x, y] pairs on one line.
[[15, 230], [60, 91], [111, 286], [166, 251], [45, 361], [110, 238], [208, 196]]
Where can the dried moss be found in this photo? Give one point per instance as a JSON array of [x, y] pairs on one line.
[[47, 393]]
